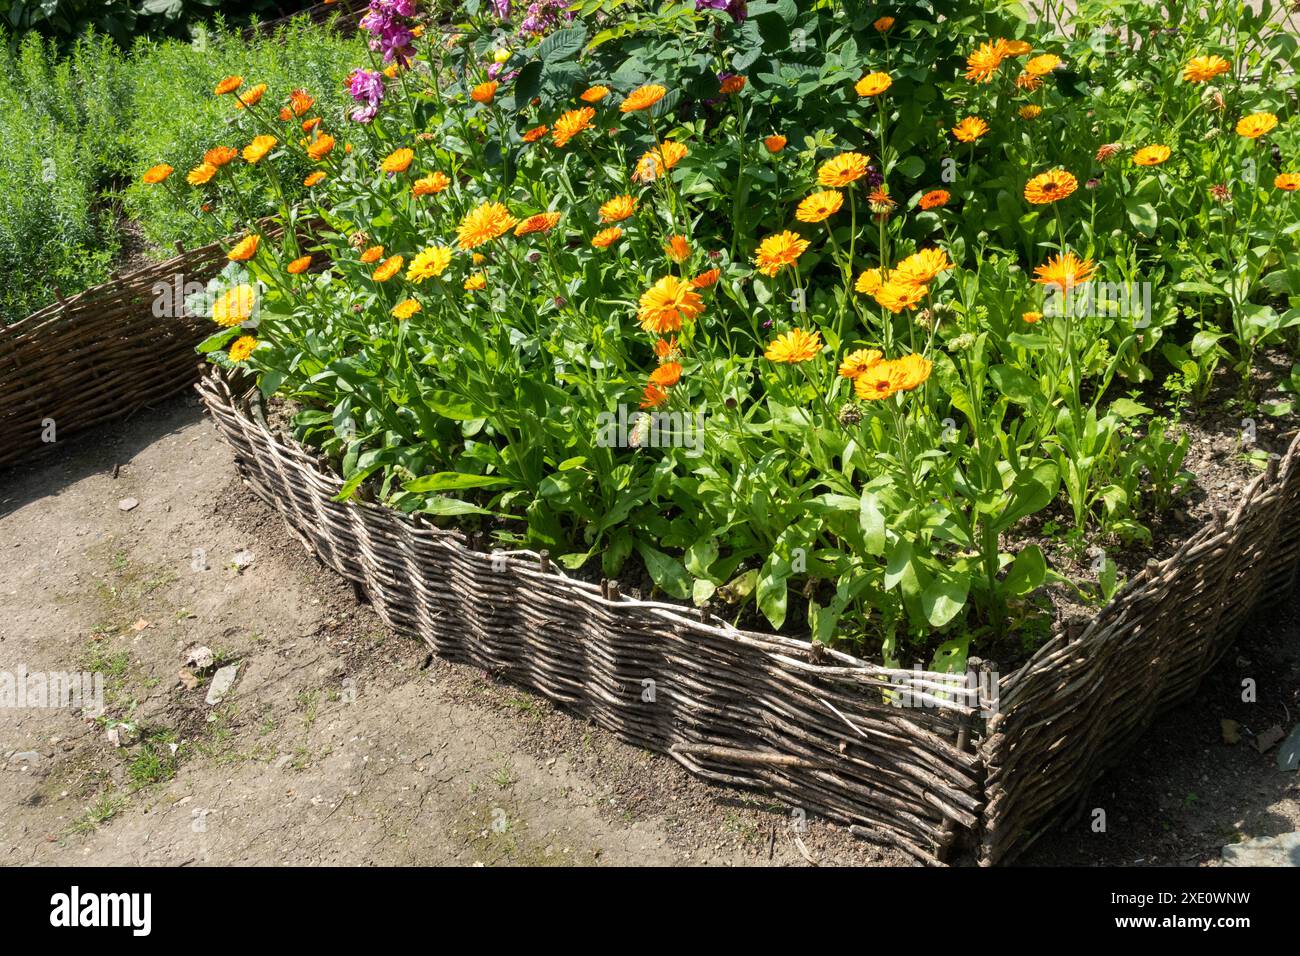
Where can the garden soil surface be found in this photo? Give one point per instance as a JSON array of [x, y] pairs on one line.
[[343, 743]]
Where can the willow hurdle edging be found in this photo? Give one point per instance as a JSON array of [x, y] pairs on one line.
[[816, 728]]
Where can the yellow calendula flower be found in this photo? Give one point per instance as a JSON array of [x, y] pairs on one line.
[[896, 295], [842, 170], [655, 162], [313, 179], [428, 264], [1030, 111], [256, 150], [922, 267], [617, 209], [542, 222], [607, 237], [571, 124], [388, 268], [242, 348], [1031, 317], [778, 251], [857, 362], [873, 84], [793, 347], [430, 185], [1202, 69], [642, 98], [819, 206], [970, 129], [320, 147], [156, 174], [667, 304], [1287, 182], [984, 62], [1064, 272], [1151, 155], [398, 161], [1256, 125], [487, 222], [475, 282], [245, 249], [869, 281], [405, 309], [250, 96], [234, 306], [1042, 64]]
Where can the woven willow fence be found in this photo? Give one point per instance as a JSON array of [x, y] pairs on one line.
[[903, 756]]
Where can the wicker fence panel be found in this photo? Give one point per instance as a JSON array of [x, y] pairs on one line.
[[820, 730], [99, 355], [1070, 712]]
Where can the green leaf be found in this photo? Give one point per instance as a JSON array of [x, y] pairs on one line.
[[773, 590], [1127, 408], [217, 340], [665, 571], [1028, 571], [1013, 383], [946, 596], [453, 481], [452, 506], [562, 44], [872, 518]]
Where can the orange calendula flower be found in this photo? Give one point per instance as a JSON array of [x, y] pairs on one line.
[[653, 396], [245, 249], [200, 174], [234, 306], [882, 204], [732, 84], [1016, 47], [475, 282], [870, 281], [922, 267], [484, 92], [1287, 182], [256, 151], [970, 129], [405, 309], [1042, 64], [1151, 155], [793, 347], [228, 85], [842, 170], [242, 348], [934, 199], [857, 362], [431, 184], [286, 114], [429, 264], [617, 209], [897, 295], [666, 375], [571, 124], [1065, 271], [1202, 69], [667, 304], [487, 222], [300, 101], [883, 25], [1051, 186], [321, 147], [536, 133], [607, 237], [1028, 82], [873, 84], [220, 155], [398, 161], [542, 222], [594, 94], [373, 254], [984, 62], [250, 97], [665, 348], [887, 378], [298, 266], [1031, 317], [655, 162], [642, 98], [706, 279], [1256, 125], [387, 269], [819, 206], [678, 249], [775, 143], [779, 250], [313, 179], [156, 174], [310, 124], [1030, 111]]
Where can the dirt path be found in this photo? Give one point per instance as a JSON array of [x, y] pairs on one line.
[[344, 743]]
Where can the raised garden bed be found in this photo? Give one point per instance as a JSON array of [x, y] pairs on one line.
[[903, 756]]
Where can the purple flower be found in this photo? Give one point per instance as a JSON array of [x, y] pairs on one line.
[[385, 22], [501, 8], [367, 88], [734, 7], [542, 15]]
